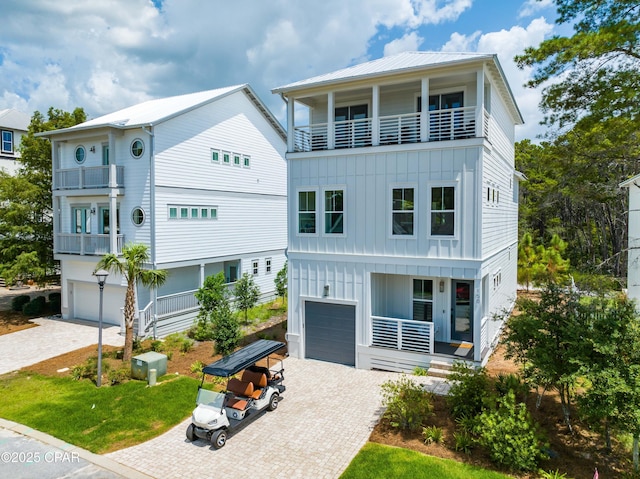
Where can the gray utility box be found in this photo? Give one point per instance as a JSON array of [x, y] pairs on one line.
[[143, 363]]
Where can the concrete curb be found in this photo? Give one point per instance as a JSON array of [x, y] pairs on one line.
[[96, 459]]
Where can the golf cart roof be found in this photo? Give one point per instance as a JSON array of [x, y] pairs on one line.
[[243, 358]]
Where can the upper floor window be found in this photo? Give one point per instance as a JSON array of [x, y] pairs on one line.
[[423, 300], [255, 266], [7, 141], [267, 264], [307, 212], [334, 211], [352, 127], [80, 154], [443, 211], [137, 148], [402, 211]]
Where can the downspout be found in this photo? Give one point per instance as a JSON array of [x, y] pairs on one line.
[[152, 219]]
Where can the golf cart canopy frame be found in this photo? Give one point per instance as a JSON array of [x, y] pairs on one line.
[[243, 358]]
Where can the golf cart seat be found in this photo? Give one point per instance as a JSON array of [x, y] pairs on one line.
[[242, 392], [258, 379]]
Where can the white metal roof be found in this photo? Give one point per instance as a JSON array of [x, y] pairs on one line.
[[14, 119], [152, 112], [392, 64]]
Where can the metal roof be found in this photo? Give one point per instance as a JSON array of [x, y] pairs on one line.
[[152, 112], [243, 358], [14, 119]]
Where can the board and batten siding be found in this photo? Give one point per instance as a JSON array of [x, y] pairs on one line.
[[367, 180], [501, 129]]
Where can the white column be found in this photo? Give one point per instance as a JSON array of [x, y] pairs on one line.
[[331, 112], [113, 221], [291, 106], [375, 114], [479, 102], [202, 275], [424, 110], [477, 320]]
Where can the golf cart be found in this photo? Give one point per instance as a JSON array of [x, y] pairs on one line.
[[259, 388]]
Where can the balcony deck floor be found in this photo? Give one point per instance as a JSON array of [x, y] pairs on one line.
[[463, 352]]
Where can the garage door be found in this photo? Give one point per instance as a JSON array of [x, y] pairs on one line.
[[86, 301], [330, 332]]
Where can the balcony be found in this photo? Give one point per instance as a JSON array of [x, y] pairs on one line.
[[441, 125], [85, 244], [89, 177]]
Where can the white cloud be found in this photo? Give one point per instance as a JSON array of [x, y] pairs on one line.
[[532, 7], [409, 42]]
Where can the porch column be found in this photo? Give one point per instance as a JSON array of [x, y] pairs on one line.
[[55, 162], [424, 110], [375, 115], [113, 221], [477, 321], [480, 103], [202, 275], [331, 114], [291, 129]]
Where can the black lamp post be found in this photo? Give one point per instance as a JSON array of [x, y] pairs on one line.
[[101, 276]]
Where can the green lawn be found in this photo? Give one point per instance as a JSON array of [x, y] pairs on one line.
[[100, 420], [376, 460]]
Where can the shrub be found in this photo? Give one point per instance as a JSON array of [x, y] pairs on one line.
[[470, 392], [19, 301], [33, 308], [511, 382], [432, 434], [510, 435], [202, 329], [89, 369], [196, 367], [552, 474], [419, 371], [55, 296], [407, 404], [117, 376], [156, 345], [463, 442], [55, 306], [226, 332], [41, 300]]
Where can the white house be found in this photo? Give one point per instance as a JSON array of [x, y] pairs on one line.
[[13, 125], [633, 255], [403, 210], [199, 178]]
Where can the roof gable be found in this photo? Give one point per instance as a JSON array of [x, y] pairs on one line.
[[14, 119]]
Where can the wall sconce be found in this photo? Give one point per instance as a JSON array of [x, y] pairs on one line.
[[326, 290], [93, 211], [92, 149], [441, 286]]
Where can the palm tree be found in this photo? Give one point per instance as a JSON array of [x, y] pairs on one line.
[[134, 256]]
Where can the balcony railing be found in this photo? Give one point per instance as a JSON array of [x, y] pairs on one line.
[[402, 334], [178, 303], [449, 124], [85, 244], [87, 177]]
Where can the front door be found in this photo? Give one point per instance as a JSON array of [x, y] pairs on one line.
[[462, 311], [105, 154], [81, 217]]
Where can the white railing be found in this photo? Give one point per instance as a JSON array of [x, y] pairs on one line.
[[85, 244], [452, 124], [485, 123], [484, 334], [353, 133], [87, 177], [402, 334], [176, 303], [310, 137], [398, 129], [145, 319]]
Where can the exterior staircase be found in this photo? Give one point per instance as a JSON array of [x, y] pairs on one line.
[[439, 369]]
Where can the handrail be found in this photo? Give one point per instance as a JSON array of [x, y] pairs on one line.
[[402, 334]]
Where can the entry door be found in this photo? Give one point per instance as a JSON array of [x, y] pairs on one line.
[[351, 134], [105, 154], [105, 220], [462, 311], [81, 217]]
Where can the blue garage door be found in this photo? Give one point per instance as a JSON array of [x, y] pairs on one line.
[[330, 332]]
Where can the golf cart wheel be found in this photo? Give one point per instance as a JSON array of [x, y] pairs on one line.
[[191, 435], [273, 402], [219, 438]]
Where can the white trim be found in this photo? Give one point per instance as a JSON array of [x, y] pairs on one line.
[[131, 149], [316, 211], [402, 185], [456, 208], [342, 188]]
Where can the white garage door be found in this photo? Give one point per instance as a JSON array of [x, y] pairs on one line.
[[86, 301]]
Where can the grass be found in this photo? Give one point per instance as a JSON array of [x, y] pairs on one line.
[[264, 312], [399, 463], [98, 419]]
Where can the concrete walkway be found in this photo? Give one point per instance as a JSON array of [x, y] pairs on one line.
[[51, 338]]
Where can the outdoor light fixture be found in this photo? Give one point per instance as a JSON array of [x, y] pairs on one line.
[[326, 290], [93, 211], [92, 149], [101, 276], [441, 286]]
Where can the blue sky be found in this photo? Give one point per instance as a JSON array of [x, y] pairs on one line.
[[109, 54]]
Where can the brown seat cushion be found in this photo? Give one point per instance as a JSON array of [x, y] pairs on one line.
[[258, 379], [240, 388], [236, 403]]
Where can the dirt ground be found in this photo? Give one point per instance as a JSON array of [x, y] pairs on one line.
[[576, 455]]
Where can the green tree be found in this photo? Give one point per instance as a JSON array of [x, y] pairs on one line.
[[247, 294], [226, 329], [526, 260], [212, 295], [550, 266], [132, 267], [25, 199], [281, 281]]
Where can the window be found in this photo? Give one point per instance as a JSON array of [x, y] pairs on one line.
[[254, 266], [137, 216], [184, 212], [422, 300], [236, 159], [204, 213], [226, 157], [214, 213], [402, 210], [105, 220], [7, 141], [215, 156], [80, 154], [442, 211], [81, 217], [334, 211], [247, 161], [267, 263], [352, 129], [307, 212], [173, 212], [194, 213], [137, 148]]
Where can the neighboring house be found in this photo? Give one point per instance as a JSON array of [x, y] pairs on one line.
[[633, 255], [199, 178], [403, 211], [13, 125]]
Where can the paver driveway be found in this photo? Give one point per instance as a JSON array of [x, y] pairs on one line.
[[324, 418]]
